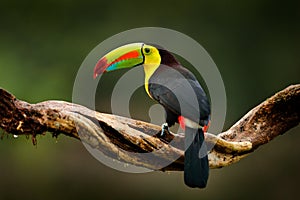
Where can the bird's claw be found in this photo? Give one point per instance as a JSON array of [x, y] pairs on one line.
[[164, 127]]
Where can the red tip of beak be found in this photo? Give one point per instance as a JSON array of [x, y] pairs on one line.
[[100, 67]]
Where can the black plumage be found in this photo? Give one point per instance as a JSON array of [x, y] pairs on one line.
[[179, 92]]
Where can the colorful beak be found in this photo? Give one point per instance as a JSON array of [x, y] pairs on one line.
[[126, 56]]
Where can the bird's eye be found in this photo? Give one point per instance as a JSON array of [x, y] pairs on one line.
[[147, 50]]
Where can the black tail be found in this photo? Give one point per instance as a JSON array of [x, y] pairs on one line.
[[195, 161]]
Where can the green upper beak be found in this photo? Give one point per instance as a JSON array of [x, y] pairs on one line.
[[126, 56]]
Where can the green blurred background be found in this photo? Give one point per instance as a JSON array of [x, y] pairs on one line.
[[255, 44]]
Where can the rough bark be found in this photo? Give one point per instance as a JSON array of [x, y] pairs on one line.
[[115, 136]]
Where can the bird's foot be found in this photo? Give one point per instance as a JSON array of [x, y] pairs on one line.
[[164, 134], [164, 127]]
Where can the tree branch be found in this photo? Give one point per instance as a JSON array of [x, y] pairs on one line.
[[116, 136]]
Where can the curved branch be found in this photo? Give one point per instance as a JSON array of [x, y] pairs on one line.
[[116, 136]]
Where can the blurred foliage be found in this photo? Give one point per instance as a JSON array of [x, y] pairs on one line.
[[255, 44]]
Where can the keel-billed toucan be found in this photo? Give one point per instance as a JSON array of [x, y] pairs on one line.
[[178, 91]]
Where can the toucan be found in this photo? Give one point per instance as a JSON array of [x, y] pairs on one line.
[[178, 91]]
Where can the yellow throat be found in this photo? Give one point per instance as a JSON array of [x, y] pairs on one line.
[[151, 63]]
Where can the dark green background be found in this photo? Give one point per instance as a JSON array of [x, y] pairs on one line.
[[255, 44]]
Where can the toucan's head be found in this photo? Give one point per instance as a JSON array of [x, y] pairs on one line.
[[128, 56], [132, 55]]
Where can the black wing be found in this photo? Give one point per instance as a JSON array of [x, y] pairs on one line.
[[179, 92]]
